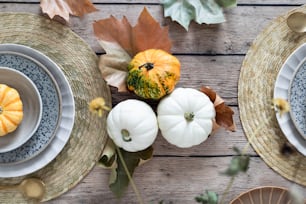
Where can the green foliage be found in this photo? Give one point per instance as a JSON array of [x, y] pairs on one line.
[[239, 163], [227, 3], [208, 198], [201, 11], [119, 179]]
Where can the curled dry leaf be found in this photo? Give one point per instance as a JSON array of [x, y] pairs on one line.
[[121, 42], [224, 114], [63, 8]]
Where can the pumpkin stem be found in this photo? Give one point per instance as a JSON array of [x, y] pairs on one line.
[[189, 116], [147, 65], [126, 135]]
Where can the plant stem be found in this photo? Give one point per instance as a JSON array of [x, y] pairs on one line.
[[244, 151], [139, 198], [228, 187]]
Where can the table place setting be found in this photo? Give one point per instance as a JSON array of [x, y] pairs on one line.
[[109, 111], [54, 147], [278, 77]]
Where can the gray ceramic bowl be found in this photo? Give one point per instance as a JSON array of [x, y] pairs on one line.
[[32, 108]]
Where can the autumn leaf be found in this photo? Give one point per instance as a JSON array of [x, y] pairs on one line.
[[121, 41], [63, 8], [224, 114]]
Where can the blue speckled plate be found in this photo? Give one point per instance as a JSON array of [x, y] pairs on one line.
[[63, 128], [281, 90], [297, 98], [51, 112]]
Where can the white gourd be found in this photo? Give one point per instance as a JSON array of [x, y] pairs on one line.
[[185, 117], [132, 125]]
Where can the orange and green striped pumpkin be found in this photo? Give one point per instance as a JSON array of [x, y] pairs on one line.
[[153, 73], [11, 109]]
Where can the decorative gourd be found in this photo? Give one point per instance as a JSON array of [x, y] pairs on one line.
[[153, 73], [132, 125], [11, 112], [185, 117]]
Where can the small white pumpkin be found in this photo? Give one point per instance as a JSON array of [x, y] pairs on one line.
[[185, 117], [132, 125]]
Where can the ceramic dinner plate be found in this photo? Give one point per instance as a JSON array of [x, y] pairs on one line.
[[49, 92], [281, 90], [263, 195], [31, 106], [297, 98], [66, 122]]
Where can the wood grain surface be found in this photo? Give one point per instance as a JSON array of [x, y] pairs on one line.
[[211, 55]]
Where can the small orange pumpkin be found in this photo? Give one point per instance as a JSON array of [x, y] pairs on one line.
[[153, 73], [11, 109]]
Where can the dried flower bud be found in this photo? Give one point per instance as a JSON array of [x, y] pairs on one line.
[[281, 106], [97, 106]]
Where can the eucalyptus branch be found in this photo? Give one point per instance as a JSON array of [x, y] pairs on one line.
[[138, 195], [242, 154], [228, 187]]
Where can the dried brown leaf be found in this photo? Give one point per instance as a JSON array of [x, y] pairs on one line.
[[209, 92], [148, 34], [113, 65], [224, 114], [63, 8], [115, 31], [121, 42], [224, 117]]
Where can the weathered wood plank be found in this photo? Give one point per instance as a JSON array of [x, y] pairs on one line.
[[233, 37], [277, 2], [175, 180], [200, 39]]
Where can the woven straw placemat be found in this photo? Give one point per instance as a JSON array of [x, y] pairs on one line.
[[255, 92], [80, 65]]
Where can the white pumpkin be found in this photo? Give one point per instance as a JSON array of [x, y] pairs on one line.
[[185, 117], [132, 125]]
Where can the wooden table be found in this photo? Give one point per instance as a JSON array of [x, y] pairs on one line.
[[210, 55]]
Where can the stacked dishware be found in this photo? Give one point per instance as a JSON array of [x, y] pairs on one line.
[[291, 85], [48, 107]]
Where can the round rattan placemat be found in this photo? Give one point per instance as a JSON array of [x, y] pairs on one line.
[[80, 65], [255, 92]]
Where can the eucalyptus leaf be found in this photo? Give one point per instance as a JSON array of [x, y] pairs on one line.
[[208, 198], [239, 163], [244, 161], [233, 168], [201, 11], [119, 179], [227, 3]]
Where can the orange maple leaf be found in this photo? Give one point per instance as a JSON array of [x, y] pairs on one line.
[[63, 8], [121, 42], [224, 114]]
